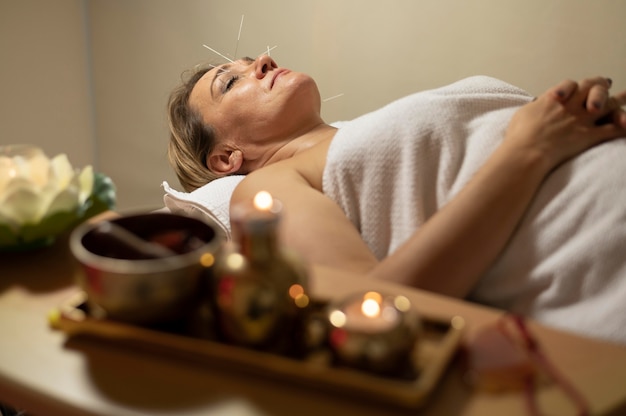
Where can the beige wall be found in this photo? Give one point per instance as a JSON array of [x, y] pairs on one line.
[[371, 51], [44, 78]]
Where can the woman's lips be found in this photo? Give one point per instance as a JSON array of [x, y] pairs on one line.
[[277, 74]]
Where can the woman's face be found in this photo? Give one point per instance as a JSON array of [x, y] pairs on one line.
[[256, 106]]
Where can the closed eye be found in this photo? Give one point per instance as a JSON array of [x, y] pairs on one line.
[[230, 82], [232, 79]]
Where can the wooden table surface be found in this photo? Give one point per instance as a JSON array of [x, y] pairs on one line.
[[47, 373]]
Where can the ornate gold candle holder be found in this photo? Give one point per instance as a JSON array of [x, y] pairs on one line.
[[259, 291], [374, 332]]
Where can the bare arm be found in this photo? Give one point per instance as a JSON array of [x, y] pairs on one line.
[[453, 249], [312, 223], [459, 242]]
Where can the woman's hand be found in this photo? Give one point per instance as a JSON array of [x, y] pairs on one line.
[[593, 94], [475, 226], [567, 120]]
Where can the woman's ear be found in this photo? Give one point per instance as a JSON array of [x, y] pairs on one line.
[[224, 161]]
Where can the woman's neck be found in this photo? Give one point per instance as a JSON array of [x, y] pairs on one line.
[[304, 141]]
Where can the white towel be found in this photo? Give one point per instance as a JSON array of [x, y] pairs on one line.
[[210, 202], [392, 169]]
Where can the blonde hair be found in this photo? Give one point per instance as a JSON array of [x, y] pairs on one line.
[[191, 140]]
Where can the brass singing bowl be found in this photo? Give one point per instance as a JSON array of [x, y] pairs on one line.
[[124, 282]]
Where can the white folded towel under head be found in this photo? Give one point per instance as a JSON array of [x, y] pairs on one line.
[[210, 202]]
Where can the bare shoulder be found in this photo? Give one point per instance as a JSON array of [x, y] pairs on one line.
[[286, 178], [309, 217]]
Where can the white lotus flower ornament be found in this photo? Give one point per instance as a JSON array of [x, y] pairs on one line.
[[41, 197]]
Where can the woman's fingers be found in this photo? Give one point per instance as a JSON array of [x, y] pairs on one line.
[[591, 94], [563, 91], [609, 131], [560, 124], [590, 99], [613, 122], [614, 105], [597, 98], [612, 111]]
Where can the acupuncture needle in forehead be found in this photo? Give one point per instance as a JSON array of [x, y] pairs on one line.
[[239, 36], [218, 67], [267, 52], [216, 52]]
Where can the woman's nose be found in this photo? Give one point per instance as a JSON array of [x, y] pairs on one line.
[[263, 64]]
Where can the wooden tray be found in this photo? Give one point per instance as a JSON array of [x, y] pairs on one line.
[[433, 352]]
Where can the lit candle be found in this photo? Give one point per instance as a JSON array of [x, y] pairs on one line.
[[260, 293], [259, 214], [262, 207], [373, 331], [263, 201]]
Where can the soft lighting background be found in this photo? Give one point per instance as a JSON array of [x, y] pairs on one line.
[[90, 78]]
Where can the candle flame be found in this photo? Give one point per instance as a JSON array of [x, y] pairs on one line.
[[370, 308], [263, 200]]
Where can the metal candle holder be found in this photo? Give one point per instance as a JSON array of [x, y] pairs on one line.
[[260, 293], [373, 331]]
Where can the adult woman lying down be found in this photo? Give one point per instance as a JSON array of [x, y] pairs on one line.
[[472, 190]]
